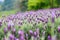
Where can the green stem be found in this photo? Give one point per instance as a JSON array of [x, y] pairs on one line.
[[32, 38], [52, 30], [42, 38]]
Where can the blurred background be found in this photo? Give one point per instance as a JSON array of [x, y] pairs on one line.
[[25, 19], [13, 6]]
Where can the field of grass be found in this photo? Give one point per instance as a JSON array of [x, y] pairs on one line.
[[6, 13]]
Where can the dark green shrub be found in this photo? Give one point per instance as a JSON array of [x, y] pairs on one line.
[[37, 4], [41, 4]]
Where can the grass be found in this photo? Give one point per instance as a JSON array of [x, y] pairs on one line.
[[6, 13]]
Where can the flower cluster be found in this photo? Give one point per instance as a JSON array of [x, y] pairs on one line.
[[31, 25]]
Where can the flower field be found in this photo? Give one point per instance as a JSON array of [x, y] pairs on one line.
[[31, 25]]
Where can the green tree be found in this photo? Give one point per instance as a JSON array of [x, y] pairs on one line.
[[23, 5], [58, 3], [38, 4], [53, 3], [41, 4]]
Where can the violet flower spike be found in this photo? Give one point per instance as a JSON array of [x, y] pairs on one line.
[[11, 37], [49, 37], [5, 30], [58, 28], [31, 32]]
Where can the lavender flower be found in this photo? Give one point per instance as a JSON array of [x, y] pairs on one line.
[[58, 28], [11, 37], [20, 33], [22, 38], [27, 36], [53, 16], [35, 34], [5, 30], [10, 25], [58, 15], [49, 37], [31, 32], [17, 39], [53, 20]]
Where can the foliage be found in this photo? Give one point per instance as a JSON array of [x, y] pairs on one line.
[[7, 5], [41, 4]]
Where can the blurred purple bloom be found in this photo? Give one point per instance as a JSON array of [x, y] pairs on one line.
[[5, 30], [31, 32], [42, 19], [20, 23], [35, 34], [17, 39], [58, 28], [53, 14], [10, 25], [49, 37], [21, 33], [26, 35], [59, 14], [11, 37], [22, 38], [53, 20]]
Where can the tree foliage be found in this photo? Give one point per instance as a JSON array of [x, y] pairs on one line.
[[7, 5], [40, 4]]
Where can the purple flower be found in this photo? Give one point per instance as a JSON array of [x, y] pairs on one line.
[[59, 29], [9, 27], [20, 23], [26, 36], [31, 32], [53, 20], [5, 30], [21, 33], [11, 37], [22, 38], [59, 14], [49, 37], [53, 14], [17, 39], [10, 24], [35, 34], [42, 19]]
